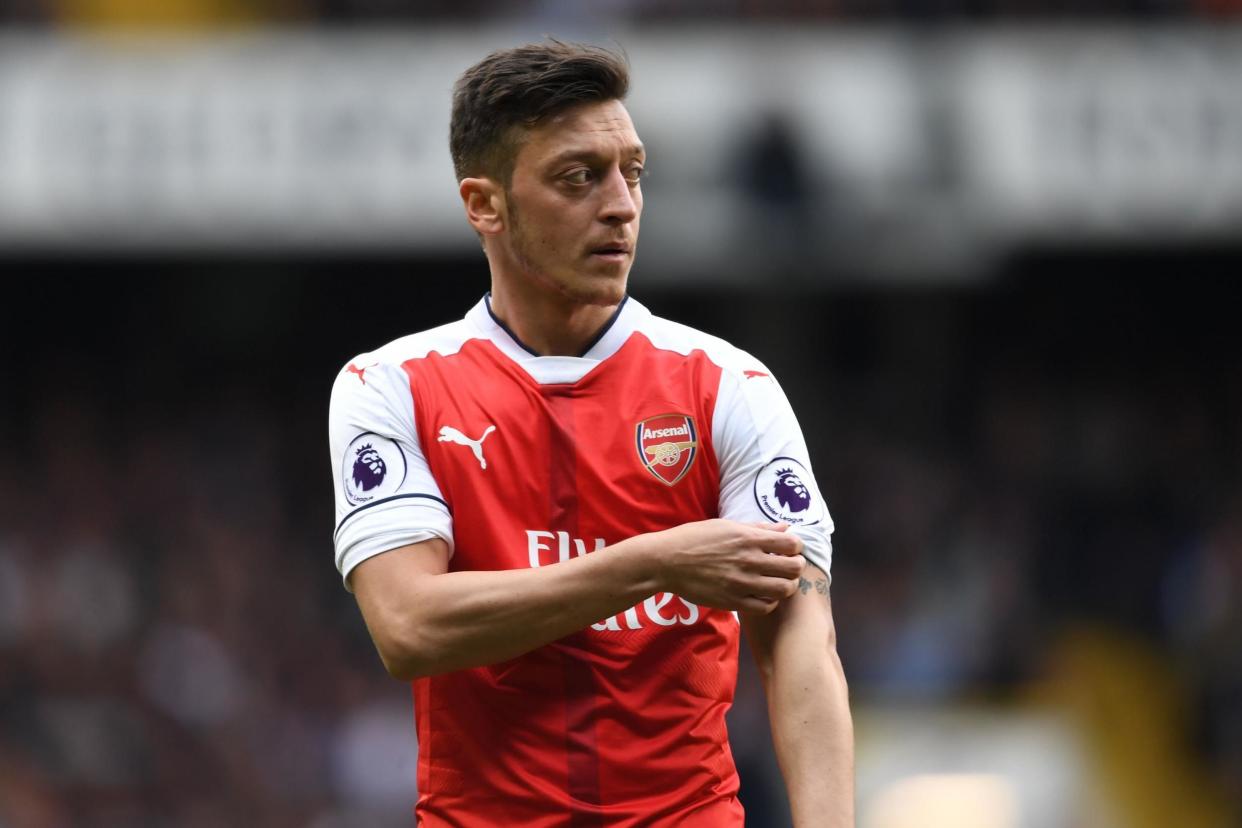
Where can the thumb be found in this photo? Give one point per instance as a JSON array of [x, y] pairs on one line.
[[771, 527]]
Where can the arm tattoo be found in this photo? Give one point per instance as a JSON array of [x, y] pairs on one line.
[[821, 586]]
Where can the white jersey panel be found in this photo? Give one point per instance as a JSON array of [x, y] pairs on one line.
[[386, 496], [765, 469]]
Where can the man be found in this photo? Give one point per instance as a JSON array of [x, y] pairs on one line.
[[555, 512]]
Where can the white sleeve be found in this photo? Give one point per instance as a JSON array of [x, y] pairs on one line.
[[385, 494], [765, 472]]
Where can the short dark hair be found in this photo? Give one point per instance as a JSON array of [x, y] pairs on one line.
[[514, 89]]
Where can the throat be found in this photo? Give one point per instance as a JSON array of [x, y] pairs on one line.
[[554, 329]]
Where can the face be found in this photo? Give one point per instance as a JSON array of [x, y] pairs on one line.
[[369, 469], [573, 204], [794, 482]]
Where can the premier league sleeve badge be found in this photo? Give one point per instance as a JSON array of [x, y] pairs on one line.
[[784, 494]]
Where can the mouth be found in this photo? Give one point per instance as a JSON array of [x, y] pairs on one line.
[[616, 251]]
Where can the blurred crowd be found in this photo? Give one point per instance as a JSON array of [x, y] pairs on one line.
[[171, 652], [1061, 461], [570, 12], [176, 647]]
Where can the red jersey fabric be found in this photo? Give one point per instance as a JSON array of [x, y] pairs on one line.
[[622, 725]]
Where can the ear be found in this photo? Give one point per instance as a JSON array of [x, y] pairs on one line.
[[484, 200]]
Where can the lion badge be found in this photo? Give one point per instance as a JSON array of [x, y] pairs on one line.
[[369, 468], [784, 495], [372, 467]]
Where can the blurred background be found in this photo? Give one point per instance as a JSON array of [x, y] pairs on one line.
[[988, 246]]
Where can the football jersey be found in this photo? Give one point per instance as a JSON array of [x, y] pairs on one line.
[[520, 460]]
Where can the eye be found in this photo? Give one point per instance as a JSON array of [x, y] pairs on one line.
[[635, 174], [578, 176]]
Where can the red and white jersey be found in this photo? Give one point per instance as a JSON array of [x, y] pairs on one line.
[[519, 460]]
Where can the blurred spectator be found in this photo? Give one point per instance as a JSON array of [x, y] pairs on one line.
[[189, 14], [1203, 619], [784, 200]]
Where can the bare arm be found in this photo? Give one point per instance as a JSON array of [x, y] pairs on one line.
[[425, 620], [808, 703]]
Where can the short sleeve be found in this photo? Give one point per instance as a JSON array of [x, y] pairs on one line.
[[386, 496], [765, 470]]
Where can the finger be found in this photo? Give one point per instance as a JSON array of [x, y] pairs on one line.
[[779, 566], [757, 606], [775, 589], [784, 543], [771, 527]]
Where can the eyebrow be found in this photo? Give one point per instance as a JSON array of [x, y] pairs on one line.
[[589, 155]]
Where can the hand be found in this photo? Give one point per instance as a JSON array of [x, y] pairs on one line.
[[729, 565]]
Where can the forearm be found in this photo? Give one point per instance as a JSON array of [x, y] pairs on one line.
[[795, 649], [457, 620], [425, 620], [813, 734]]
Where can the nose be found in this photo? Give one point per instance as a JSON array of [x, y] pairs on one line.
[[621, 202]]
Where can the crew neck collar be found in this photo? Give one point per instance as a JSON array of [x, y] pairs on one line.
[[611, 336]]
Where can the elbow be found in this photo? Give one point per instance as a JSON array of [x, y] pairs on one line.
[[408, 657], [403, 666]]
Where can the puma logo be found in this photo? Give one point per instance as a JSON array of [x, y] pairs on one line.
[[361, 372], [448, 434]]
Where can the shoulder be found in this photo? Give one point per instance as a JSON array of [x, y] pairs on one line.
[[668, 335], [749, 400], [374, 387], [386, 364], [445, 340]]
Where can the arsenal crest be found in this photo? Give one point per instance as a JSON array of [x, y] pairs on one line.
[[667, 445]]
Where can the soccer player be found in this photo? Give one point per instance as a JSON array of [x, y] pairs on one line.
[[556, 513]]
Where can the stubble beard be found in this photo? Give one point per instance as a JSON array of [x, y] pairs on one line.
[[601, 293]]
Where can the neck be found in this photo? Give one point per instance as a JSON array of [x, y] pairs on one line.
[[550, 325]]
